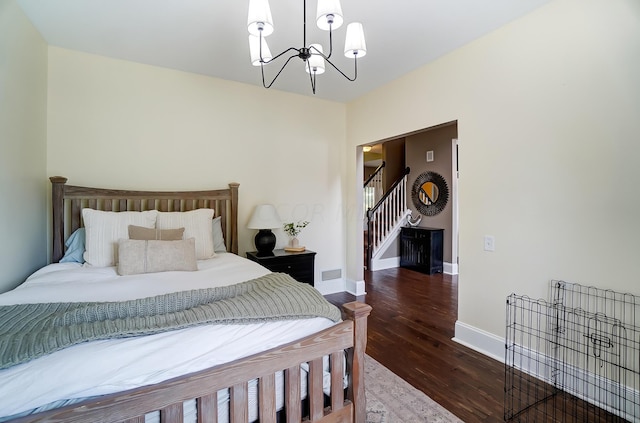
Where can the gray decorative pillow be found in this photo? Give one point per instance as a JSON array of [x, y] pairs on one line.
[[218, 237], [150, 256], [140, 232]]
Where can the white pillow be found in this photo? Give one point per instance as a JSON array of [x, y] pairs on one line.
[[104, 229], [196, 223]]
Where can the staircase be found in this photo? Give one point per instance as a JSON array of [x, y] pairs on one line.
[[385, 217], [373, 188]]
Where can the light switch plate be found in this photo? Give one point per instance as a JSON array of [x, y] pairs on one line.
[[489, 243]]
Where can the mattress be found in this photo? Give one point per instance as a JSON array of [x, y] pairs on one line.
[[103, 367]]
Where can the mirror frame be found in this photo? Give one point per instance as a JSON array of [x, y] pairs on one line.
[[443, 193]]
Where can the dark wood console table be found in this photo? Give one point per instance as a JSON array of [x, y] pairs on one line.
[[421, 249]]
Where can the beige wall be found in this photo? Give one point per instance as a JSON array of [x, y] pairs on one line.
[[126, 125], [547, 110], [23, 116]]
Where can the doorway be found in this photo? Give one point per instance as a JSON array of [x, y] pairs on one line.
[[432, 149]]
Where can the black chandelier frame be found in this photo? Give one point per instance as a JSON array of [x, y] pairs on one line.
[[305, 54]]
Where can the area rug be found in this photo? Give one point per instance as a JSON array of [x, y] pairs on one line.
[[390, 399]]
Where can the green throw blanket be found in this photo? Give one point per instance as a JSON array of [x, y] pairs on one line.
[[28, 331]]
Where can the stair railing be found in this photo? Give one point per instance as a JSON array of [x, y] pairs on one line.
[[373, 189], [384, 216]]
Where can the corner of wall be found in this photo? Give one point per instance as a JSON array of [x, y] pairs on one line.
[[356, 288], [479, 340]]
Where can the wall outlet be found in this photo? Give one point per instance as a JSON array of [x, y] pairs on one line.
[[489, 243]]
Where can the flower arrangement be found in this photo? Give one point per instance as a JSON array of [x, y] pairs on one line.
[[294, 228]]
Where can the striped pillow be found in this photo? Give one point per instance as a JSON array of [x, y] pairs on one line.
[[104, 229]]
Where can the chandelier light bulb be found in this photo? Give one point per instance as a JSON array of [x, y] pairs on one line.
[[329, 14], [259, 19], [254, 49], [315, 63], [355, 44]]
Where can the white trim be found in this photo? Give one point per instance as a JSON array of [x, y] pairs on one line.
[[331, 286], [356, 288], [479, 340], [394, 262], [387, 263], [455, 207], [357, 271], [450, 268]]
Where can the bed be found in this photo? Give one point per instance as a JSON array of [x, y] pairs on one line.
[[297, 369]]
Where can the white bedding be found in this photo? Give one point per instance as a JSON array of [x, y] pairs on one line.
[[101, 367]]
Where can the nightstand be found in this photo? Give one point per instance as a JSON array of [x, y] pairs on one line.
[[298, 265]]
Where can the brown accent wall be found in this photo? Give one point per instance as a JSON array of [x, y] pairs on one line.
[[393, 153], [416, 147], [368, 171]]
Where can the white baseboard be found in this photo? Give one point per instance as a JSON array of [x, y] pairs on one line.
[[393, 262], [356, 288], [450, 268], [331, 286], [479, 340], [388, 263]]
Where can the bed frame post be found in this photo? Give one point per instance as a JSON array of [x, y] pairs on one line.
[[234, 216], [57, 203], [358, 313]]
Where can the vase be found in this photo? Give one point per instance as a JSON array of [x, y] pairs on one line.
[[294, 243]]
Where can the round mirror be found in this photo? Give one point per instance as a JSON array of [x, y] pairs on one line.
[[430, 193]]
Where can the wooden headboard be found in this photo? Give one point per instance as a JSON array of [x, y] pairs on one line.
[[68, 202]]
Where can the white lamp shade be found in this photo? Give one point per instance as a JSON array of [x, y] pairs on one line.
[[265, 216], [354, 43], [329, 7], [259, 17], [315, 63], [254, 50]]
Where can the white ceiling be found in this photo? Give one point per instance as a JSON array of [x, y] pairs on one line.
[[209, 36]]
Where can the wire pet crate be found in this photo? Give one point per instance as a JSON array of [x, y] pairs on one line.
[[574, 357]]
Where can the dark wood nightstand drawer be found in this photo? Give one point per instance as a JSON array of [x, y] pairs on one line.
[[299, 265]]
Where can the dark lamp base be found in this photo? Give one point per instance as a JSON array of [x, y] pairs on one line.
[[265, 241]]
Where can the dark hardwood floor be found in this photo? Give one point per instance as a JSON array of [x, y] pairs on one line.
[[410, 331]]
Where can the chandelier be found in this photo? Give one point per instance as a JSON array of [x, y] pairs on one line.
[[329, 17]]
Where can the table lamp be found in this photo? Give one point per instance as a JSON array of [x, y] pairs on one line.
[[264, 218]]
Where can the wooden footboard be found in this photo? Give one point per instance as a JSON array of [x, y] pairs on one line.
[[168, 397]]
